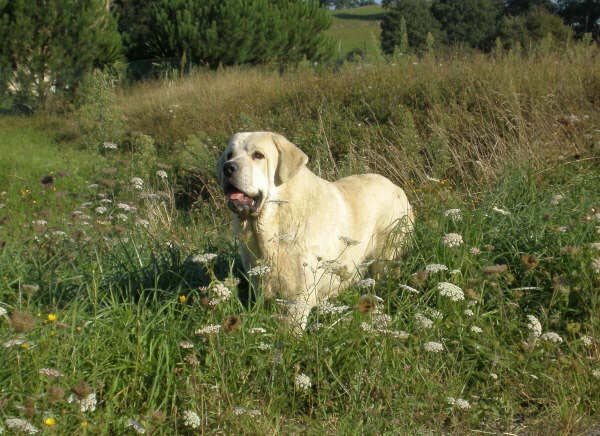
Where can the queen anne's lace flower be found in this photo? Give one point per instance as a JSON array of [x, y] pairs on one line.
[[422, 321], [21, 425], [534, 326], [551, 337], [451, 291], [209, 330], [459, 403], [259, 271], [435, 267], [452, 240], [454, 214], [191, 419], [433, 347], [302, 382]]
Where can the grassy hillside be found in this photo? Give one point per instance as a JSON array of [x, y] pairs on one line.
[[357, 29], [114, 319]]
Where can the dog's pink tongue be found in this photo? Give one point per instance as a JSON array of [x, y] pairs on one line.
[[240, 197]]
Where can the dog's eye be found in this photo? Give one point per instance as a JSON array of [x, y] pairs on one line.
[[229, 155], [258, 155]]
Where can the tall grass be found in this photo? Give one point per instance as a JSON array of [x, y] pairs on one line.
[[111, 321]]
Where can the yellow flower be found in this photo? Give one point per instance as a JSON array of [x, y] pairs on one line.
[[50, 421], [51, 317], [24, 345], [84, 424], [182, 299]]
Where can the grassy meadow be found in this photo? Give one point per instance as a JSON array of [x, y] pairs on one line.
[[123, 309], [357, 29]]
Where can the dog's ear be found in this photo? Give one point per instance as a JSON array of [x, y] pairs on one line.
[[290, 160]]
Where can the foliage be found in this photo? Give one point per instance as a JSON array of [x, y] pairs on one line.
[[529, 29], [521, 7], [47, 47], [226, 32], [419, 21], [582, 15], [470, 22]]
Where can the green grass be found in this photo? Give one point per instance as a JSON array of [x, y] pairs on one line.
[[122, 295], [357, 29]]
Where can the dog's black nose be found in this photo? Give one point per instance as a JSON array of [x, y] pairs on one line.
[[229, 168]]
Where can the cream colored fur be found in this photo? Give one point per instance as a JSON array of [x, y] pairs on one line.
[[316, 236]]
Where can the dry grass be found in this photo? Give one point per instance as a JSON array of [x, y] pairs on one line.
[[462, 117]]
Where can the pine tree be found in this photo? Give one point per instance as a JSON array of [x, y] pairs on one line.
[[47, 46]]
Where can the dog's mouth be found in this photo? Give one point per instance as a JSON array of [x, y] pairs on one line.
[[240, 202]]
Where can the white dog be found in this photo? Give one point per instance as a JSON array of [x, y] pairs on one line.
[[312, 235]]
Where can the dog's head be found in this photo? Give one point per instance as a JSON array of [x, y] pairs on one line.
[[253, 165]]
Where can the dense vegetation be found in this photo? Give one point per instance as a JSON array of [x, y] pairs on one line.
[[116, 317]]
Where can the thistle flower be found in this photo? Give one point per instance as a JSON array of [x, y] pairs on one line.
[[22, 321], [451, 291], [436, 267], [191, 419], [551, 337], [452, 240], [433, 347], [302, 382], [231, 324]]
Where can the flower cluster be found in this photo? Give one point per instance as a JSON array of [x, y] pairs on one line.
[[451, 291], [302, 382], [452, 240]]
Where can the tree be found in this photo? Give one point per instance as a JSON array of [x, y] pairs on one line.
[[521, 7], [582, 15], [228, 32], [419, 21], [47, 46], [473, 22], [528, 29]]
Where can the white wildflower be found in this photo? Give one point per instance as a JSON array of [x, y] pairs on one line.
[[595, 245], [563, 229], [475, 251], [596, 373], [422, 321], [468, 312], [476, 329], [435, 267], [408, 288], [191, 419], [51, 372], [221, 291], [186, 345], [204, 258], [257, 330], [587, 340], [106, 201], [21, 425], [109, 146], [327, 308], [454, 214], [86, 404], [259, 271], [493, 376], [126, 207], [243, 411], [302, 382], [264, 347], [452, 240], [534, 326], [212, 329], [137, 183], [136, 425], [433, 313], [433, 347], [100, 210], [162, 174], [40, 223], [93, 186], [13, 342], [551, 337], [396, 334], [122, 217], [596, 265], [142, 222], [451, 291], [3, 311], [556, 198], [459, 402], [500, 211], [381, 320], [366, 283]]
